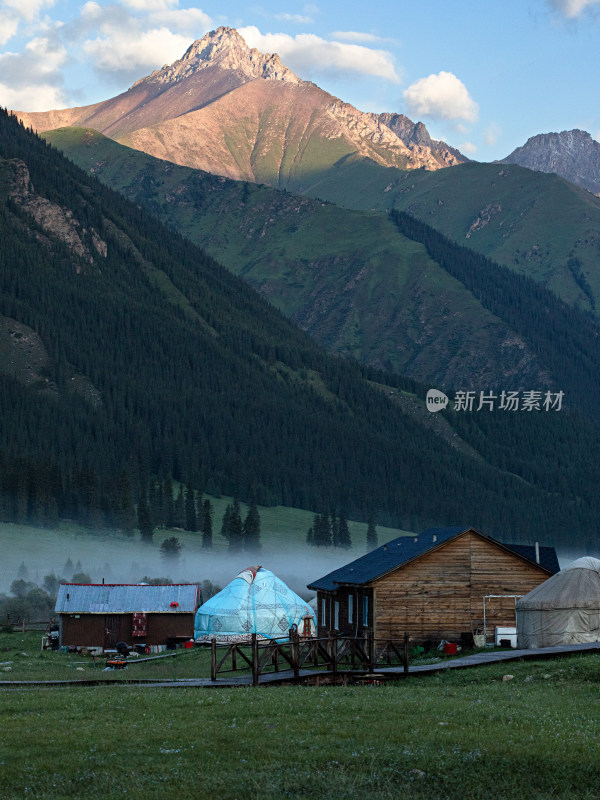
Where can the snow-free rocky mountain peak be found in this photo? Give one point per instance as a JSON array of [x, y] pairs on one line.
[[573, 155], [226, 49], [233, 111]]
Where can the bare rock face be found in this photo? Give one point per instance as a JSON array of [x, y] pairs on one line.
[[432, 153], [573, 155], [51, 217], [224, 48]]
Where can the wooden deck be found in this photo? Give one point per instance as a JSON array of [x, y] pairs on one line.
[[305, 676]]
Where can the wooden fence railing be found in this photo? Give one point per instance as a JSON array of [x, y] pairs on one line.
[[334, 654]]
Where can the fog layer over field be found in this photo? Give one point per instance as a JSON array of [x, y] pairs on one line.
[[116, 558]]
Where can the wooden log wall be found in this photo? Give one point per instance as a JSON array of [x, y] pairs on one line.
[[440, 595]]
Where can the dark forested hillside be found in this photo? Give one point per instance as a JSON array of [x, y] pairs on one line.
[[565, 339], [153, 362]]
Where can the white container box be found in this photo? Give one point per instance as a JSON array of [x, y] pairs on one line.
[[506, 633]]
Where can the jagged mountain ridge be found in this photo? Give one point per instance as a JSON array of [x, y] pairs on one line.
[[233, 111], [574, 155]]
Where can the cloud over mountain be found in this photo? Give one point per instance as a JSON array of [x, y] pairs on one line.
[[441, 96], [309, 55]]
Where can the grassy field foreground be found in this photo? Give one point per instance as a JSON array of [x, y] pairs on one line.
[[466, 734]]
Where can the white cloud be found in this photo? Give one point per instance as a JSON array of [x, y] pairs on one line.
[[28, 9], [491, 134], [128, 51], [32, 80], [307, 54], [298, 18], [9, 24], [356, 36], [467, 147], [150, 5], [572, 8], [35, 97], [441, 96], [185, 20]]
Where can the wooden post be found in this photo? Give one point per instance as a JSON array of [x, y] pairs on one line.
[[333, 651], [296, 653], [405, 654], [255, 664], [234, 657], [213, 659], [371, 651]]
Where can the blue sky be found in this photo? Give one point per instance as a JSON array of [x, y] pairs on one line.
[[483, 76]]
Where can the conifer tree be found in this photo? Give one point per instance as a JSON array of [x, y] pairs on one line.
[[322, 530], [207, 524], [125, 511], [191, 519], [344, 538], [145, 525], [168, 504], [236, 528], [155, 503], [335, 530], [225, 521], [251, 532], [371, 533], [179, 509], [170, 550]]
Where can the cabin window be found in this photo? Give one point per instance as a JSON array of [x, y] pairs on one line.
[[350, 608], [336, 615], [323, 612], [365, 610]]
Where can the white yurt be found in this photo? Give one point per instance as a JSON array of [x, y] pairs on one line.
[[565, 609], [256, 601]]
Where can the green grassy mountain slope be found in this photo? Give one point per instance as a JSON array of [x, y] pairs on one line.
[[195, 377], [536, 224], [346, 277]]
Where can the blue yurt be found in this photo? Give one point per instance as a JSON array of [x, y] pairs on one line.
[[256, 601]]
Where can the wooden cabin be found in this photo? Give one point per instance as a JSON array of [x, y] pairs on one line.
[[97, 616], [446, 583]]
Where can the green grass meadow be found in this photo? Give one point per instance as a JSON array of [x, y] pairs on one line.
[[463, 734]]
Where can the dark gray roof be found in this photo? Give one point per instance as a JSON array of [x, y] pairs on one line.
[[406, 548], [78, 598]]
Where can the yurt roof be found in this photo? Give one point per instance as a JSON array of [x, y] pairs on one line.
[[575, 586]]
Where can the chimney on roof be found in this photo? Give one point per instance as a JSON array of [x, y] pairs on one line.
[[537, 552], [434, 537], [416, 538], [385, 548]]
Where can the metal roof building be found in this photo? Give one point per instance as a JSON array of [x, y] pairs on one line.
[[100, 598], [97, 616]]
